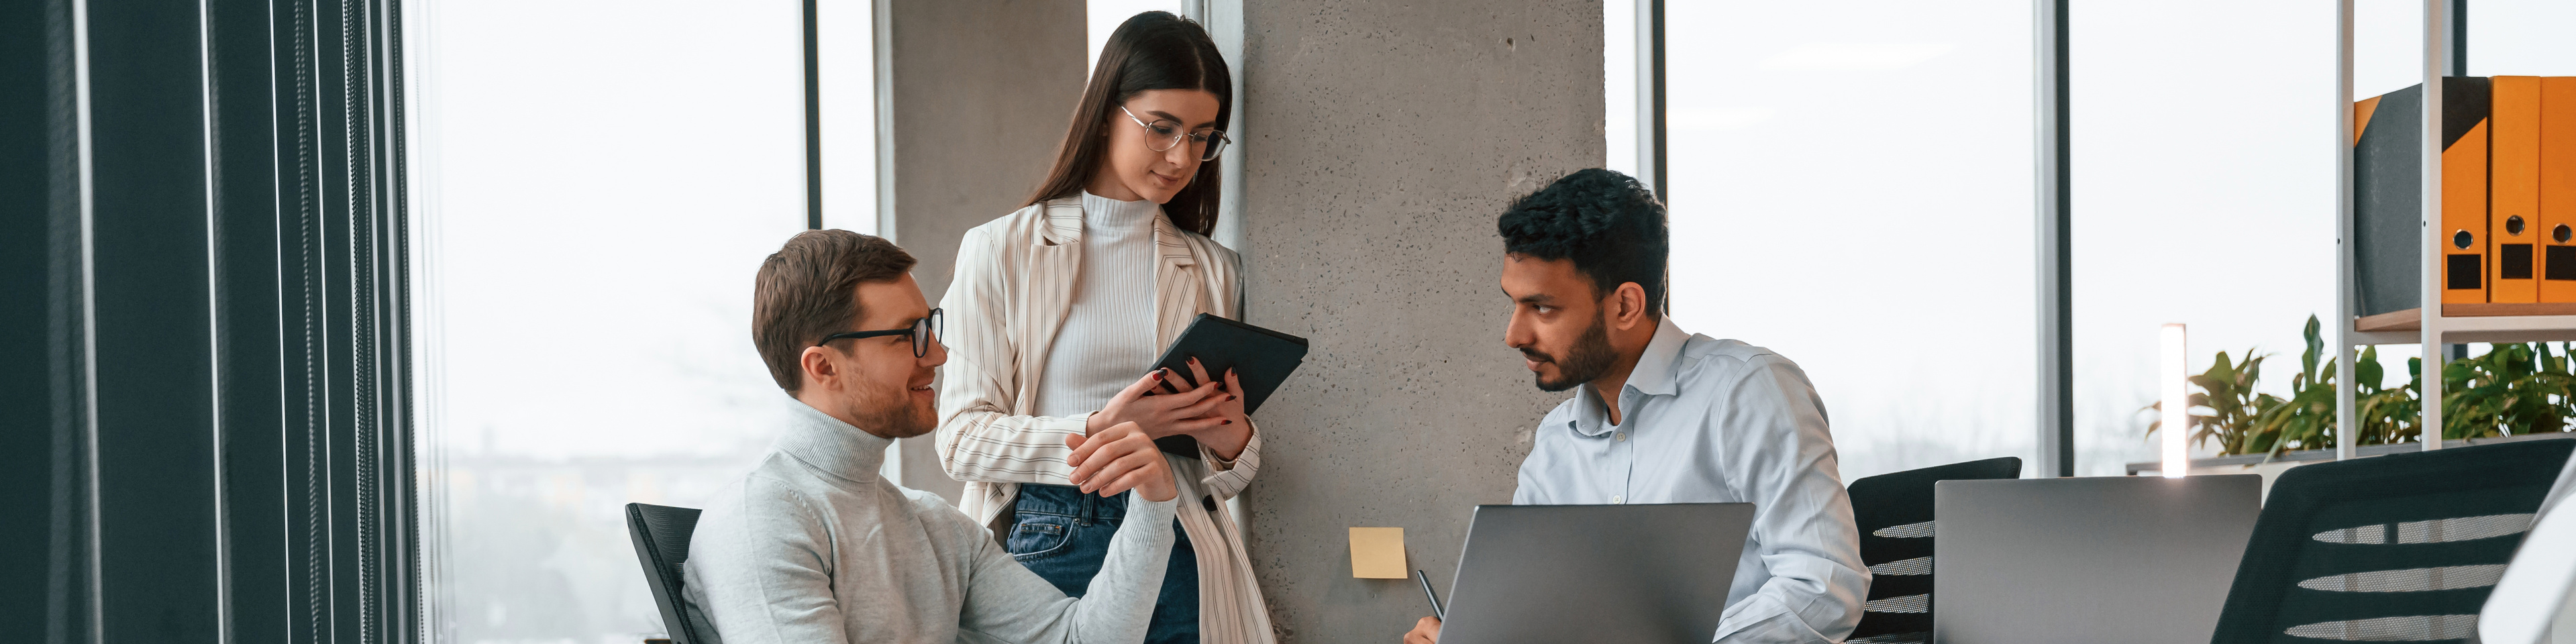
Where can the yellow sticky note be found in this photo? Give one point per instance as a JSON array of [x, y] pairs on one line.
[[1378, 553]]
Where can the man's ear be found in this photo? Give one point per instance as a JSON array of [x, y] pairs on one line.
[[1629, 309], [817, 367]]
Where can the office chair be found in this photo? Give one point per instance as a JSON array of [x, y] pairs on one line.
[[1894, 513], [662, 543], [2403, 547]]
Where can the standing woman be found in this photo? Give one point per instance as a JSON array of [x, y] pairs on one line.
[[1059, 309]]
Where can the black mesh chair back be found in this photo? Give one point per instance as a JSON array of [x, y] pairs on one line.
[[661, 536], [2396, 548], [1894, 513]]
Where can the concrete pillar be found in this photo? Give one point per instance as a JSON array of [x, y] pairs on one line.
[[1386, 138], [975, 96]]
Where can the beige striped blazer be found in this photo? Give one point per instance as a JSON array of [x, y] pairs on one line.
[[1011, 291]]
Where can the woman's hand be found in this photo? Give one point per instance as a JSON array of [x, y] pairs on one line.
[[1167, 413], [1226, 440], [1119, 459]]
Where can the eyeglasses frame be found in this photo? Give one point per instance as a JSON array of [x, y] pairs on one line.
[[1213, 135], [920, 344]]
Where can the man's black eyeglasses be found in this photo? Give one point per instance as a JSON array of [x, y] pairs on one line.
[[924, 331]]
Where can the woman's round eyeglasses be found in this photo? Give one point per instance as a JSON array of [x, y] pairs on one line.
[[1165, 133], [923, 331]]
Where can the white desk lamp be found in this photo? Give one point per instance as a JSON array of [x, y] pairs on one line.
[[2535, 586]]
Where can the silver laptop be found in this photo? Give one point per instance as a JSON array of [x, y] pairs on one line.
[[2099, 560], [1595, 573]]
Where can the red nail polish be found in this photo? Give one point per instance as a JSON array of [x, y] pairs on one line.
[[1158, 375]]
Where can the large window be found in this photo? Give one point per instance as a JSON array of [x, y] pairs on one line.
[[2205, 188], [1851, 187], [598, 182], [2520, 37], [2204, 194]]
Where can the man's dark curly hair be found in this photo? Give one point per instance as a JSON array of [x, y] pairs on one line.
[[1608, 223]]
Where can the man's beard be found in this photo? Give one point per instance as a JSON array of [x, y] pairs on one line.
[[894, 415], [1587, 360]]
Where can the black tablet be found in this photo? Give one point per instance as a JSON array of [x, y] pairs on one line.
[[1261, 358]]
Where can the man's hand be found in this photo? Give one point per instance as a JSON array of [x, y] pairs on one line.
[[1119, 459], [1426, 631]]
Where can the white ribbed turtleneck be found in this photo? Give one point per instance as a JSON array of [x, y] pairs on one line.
[[1107, 340]]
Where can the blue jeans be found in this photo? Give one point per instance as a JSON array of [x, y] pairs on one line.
[[1063, 535]]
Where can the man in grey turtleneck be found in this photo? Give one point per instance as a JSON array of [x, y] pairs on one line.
[[813, 546]]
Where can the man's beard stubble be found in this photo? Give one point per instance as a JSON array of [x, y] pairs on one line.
[[1590, 356], [895, 415]]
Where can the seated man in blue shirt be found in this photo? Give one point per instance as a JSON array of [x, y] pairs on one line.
[[1695, 419]]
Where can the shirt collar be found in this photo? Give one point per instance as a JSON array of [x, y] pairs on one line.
[[1652, 376], [830, 445], [1654, 372]]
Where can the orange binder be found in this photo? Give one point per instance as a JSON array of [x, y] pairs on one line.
[[2361, 111], [2558, 189], [2464, 214], [2513, 193]]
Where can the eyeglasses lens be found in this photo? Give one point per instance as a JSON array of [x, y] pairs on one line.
[[1213, 144], [924, 332]]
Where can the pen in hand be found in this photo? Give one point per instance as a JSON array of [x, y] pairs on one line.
[[1427, 594]]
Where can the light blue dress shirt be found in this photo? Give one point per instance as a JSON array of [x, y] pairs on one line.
[[1721, 421]]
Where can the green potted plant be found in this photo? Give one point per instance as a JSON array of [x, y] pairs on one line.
[[2513, 389]]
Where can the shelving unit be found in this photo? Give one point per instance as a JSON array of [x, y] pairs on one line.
[[2430, 326]]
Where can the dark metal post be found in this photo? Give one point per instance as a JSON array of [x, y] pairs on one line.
[[2459, 67], [813, 123], [2459, 37], [1655, 72], [2056, 328]]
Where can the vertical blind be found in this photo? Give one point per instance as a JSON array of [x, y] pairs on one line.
[[204, 341]]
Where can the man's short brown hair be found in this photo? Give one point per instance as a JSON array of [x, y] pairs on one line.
[[810, 289]]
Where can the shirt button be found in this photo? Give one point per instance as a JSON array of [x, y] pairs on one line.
[[1616, 499], [1620, 436]]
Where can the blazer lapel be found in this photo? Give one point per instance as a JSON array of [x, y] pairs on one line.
[[1055, 264], [1175, 281]]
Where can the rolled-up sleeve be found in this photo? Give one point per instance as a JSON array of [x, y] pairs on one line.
[[1227, 478], [1781, 457]]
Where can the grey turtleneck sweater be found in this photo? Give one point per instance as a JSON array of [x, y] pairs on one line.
[[813, 547]]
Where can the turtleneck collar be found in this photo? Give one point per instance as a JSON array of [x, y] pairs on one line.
[[830, 445], [1106, 214]]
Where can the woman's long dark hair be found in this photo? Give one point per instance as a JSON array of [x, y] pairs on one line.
[[1154, 50]]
